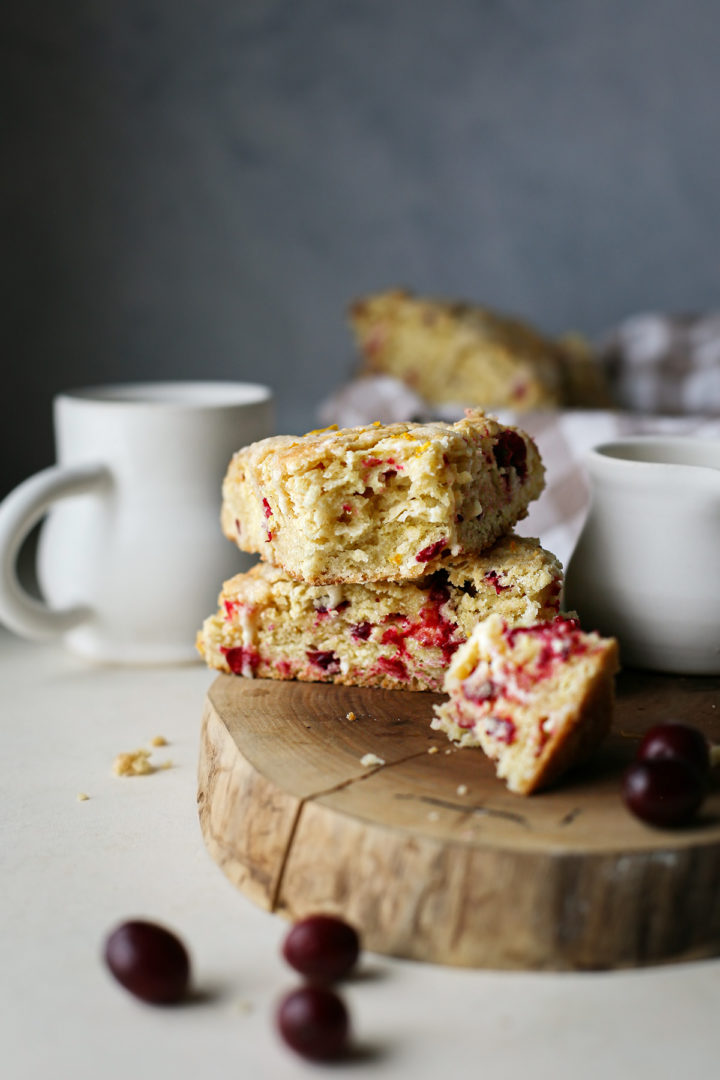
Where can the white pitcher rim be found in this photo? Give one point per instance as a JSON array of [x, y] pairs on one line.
[[171, 394], [618, 452]]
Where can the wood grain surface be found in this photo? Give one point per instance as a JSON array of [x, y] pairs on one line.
[[429, 855]]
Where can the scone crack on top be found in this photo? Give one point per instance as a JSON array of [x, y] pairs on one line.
[[380, 502]]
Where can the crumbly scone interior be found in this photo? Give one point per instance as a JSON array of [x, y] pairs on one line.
[[528, 696]]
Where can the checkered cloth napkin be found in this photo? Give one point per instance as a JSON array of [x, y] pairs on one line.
[[665, 376]]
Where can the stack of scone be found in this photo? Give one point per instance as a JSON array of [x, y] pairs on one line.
[[382, 549]]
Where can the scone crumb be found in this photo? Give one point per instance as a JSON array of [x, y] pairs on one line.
[[433, 750], [462, 789], [82, 796], [433, 815], [158, 740], [133, 763], [371, 759], [350, 716]]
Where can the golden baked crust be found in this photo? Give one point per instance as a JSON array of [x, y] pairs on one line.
[[390, 634], [392, 502], [537, 699], [453, 351]]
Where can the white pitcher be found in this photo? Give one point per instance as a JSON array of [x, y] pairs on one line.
[[647, 565], [131, 557]]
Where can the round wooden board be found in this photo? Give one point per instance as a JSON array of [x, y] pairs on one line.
[[429, 855]]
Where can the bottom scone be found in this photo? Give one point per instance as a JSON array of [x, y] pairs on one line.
[[398, 635], [537, 699]]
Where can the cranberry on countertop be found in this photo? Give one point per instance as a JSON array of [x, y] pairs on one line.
[[322, 947], [314, 1022], [149, 961]]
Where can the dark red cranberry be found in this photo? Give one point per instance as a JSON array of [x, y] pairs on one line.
[[510, 451], [431, 551], [322, 947], [361, 631], [242, 660], [149, 961], [664, 791], [314, 1022], [678, 742], [325, 660], [493, 579], [394, 667]]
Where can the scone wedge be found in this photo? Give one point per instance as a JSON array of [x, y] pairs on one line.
[[537, 699], [455, 351], [398, 635], [380, 503]]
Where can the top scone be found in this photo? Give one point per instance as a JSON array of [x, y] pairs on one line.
[[379, 502]]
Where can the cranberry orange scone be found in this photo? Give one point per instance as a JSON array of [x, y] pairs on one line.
[[392, 634], [537, 699], [450, 351], [376, 503]]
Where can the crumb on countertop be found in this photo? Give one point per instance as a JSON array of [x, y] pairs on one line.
[[350, 716], [82, 796], [137, 763], [371, 759], [462, 789], [433, 815], [158, 740], [433, 750]]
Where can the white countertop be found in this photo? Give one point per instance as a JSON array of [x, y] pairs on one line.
[[71, 870]]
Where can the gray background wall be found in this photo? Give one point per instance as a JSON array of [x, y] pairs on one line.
[[198, 189]]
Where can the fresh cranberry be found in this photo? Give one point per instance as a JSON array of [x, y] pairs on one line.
[[322, 947], [325, 660], [393, 666], [394, 635], [314, 1022], [431, 551], [664, 791], [242, 660], [361, 631], [510, 451], [678, 742], [493, 579], [149, 961]]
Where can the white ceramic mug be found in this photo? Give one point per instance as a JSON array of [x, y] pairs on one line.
[[131, 557], [647, 565]]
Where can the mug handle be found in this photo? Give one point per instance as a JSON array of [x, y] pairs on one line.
[[19, 512]]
